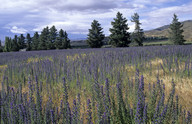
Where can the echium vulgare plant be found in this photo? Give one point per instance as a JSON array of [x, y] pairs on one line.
[[122, 98]]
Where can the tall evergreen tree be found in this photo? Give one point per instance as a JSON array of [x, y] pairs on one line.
[[29, 42], [62, 41], [95, 36], [138, 34], [120, 37], [59, 39], [8, 44], [15, 46], [66, 42], [35, 41], [21, 42], [1, 47], [175, 34], [52, 38], [44, 37]]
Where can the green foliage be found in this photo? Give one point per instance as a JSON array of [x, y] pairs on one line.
[[35, 41], [95, 36], [66, 41], [29, 42], [21, 42], [44, 37], [15, 46], [52, 38], [175, 34], [62, 41], [138, 35], [1, 47], [119, 36], [8, 44]]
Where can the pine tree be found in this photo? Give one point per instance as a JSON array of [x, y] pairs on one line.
[[120, 37], [29, 42], [15, 46], [175, 34], [138, 35], [66, 42], [95, 36], [59, 39], [35, 41], [1, 47], [62, 41], [21, 42], [52, 37], [8, 44], [44, 37]]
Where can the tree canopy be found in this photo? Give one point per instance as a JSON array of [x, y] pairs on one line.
[[120, 37], [95, 36], [175, 34], [138, 34]]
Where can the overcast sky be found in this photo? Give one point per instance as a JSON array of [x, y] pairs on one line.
[[75, 16]]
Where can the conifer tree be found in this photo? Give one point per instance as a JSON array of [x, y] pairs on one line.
[[29, 42], [59, 39], [66, 42], [1, 47], [62, 41], [175, 34], [52, 38], [35, 41], [120, 37], [95, 36], [44, 37], [21, 41], [138, 35], [8, 44], [15, 46]]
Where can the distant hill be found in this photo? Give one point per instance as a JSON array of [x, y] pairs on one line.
[[163, 31]]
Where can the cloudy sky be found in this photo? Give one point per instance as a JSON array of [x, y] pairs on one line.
[[75, 16]]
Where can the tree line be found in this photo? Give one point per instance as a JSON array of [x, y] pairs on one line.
[[47, 40], [120, 37]]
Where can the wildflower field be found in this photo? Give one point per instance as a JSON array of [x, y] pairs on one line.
[[136, 85]]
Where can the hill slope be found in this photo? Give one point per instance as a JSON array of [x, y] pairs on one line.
[[163, 31]]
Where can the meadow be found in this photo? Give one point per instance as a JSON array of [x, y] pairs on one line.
[[134, 85]]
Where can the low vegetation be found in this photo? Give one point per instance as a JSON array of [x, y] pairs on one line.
[[117, 85]]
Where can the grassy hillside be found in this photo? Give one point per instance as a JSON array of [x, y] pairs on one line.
[[163, 31]]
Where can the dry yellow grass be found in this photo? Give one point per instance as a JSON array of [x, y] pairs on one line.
[[183, 84]]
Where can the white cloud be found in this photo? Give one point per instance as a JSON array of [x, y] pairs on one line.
[[76, 16], [17, 30]]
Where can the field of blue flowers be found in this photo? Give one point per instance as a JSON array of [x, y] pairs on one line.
[[136, 85]]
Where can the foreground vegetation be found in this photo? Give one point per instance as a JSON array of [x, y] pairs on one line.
[[116, 85]]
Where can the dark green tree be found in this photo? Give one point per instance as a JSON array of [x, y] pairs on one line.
[[21, 42], [52, 38], [44, 38], [95, 36], [62, 41], [138, 34], [120, 37], [35, 41], [15, 46], [175, 34], [29, 42], [59, 39], [1, 47], [66, 41], [8, 44]]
